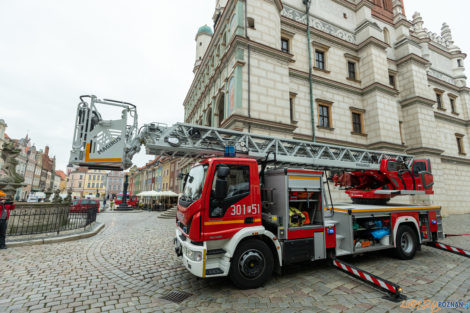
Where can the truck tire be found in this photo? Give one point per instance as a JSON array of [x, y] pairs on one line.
[[252, 264], [407, 243]]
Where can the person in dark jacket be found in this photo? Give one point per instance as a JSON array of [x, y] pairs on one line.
[[5, 208]]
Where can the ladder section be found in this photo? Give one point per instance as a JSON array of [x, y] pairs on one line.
[[185, 140]]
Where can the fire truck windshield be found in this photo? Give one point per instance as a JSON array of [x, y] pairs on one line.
[[194, 184]]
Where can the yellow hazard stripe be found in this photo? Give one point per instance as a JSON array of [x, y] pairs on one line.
[[87, 157], [386, 209], [303, 177], [257, 220], [204, 264]]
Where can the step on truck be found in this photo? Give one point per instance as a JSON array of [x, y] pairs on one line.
[[253, 204]]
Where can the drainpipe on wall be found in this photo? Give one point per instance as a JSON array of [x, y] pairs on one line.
[[307, 12], [249, 66]]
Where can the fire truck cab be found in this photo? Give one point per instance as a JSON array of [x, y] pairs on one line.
[[230, 224]]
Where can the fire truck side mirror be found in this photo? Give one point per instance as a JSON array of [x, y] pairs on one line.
[[221, 187], [222, 171]]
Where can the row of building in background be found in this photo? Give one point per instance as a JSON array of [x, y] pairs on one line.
[[160, 174], [35, 165], [85, 183]]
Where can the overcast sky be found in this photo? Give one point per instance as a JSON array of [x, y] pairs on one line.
[[140, 51]]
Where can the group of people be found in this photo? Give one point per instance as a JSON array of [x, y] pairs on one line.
[[5, 207]]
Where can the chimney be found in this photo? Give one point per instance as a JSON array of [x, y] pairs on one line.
[[46, 151]]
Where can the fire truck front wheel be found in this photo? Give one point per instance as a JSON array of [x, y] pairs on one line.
[[252, 264], [407, 243]]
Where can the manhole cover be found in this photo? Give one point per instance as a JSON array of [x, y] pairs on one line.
[[177, 296]]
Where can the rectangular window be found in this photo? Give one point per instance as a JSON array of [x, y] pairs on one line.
[[391, 80], [439, 100], [460, 144], [292, 107], [285, 45], [452, 104], [357, 122], [320, 59], [324, 116], [459, 62], [89, 185], [352, 70]]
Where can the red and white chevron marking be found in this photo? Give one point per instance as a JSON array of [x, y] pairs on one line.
[[452, 249], [364, 276]]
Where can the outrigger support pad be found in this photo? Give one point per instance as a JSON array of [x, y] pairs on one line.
[[442, 246], [394, 292]]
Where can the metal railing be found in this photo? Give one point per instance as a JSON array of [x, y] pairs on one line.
[[32, 220]]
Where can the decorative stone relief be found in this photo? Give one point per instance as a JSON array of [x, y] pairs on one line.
[[300, 17]]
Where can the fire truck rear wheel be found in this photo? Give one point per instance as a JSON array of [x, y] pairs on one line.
[[407, 243], [252, 264]]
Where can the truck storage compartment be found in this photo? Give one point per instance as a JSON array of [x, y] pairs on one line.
[[298, 250], [371, 232]]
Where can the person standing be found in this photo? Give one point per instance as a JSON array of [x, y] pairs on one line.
[[5, 208]]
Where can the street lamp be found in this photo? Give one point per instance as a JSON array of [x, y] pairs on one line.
[[310, 67]]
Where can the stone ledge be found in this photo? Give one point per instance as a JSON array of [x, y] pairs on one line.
[[98, 227]]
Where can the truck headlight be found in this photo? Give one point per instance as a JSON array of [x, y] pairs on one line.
[[194, 255]]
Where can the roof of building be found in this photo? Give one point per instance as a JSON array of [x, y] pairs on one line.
[[61, 174], [205, 30]]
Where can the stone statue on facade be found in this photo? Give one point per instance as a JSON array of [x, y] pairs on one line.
[[9, 179]]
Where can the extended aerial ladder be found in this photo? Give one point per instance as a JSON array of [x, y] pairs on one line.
[[111, 144]]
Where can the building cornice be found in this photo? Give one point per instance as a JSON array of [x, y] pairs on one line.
[[434, 47], [452, 119], [412, 58], [417, 100], [348, 88], [260, 123], [451, 159], [446, 84], [424, 150], [382, 145]]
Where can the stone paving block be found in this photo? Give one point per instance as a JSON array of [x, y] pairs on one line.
[[131, 264]]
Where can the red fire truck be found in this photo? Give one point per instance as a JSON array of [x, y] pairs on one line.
[[230, 224], [254, 203]]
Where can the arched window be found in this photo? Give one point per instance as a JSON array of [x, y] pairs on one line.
[[221, 108], [386, 36]]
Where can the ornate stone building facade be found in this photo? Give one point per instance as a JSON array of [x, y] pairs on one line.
[[380, 81]]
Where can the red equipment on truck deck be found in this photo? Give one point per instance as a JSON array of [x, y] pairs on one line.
[[394, 178]]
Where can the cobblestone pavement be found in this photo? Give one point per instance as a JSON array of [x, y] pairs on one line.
[[131, 264]]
